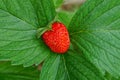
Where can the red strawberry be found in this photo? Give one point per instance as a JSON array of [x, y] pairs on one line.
[[57, 38]]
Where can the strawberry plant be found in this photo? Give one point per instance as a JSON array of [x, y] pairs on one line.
[[89, 39]]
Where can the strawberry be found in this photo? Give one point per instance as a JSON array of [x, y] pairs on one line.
[[57, 39]]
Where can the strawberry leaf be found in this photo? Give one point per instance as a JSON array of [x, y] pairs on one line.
[[8, 72], [65, 17], [114, 78], [96, 33], [45, 11], [19, 21], [58, 3], [70, 66]]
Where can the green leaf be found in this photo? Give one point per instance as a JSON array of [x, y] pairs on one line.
[[19, 21], [50, 67], [96, 33], [110, 77], [8, 72], [79, 68], [45, 11], [65, 17], [70, 66], [58, 3], [114, 79]]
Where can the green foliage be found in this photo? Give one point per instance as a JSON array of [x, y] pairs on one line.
[[94, 33], [19, 21], [69, 67], [58, 3], [65, 17], [8, 72]]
